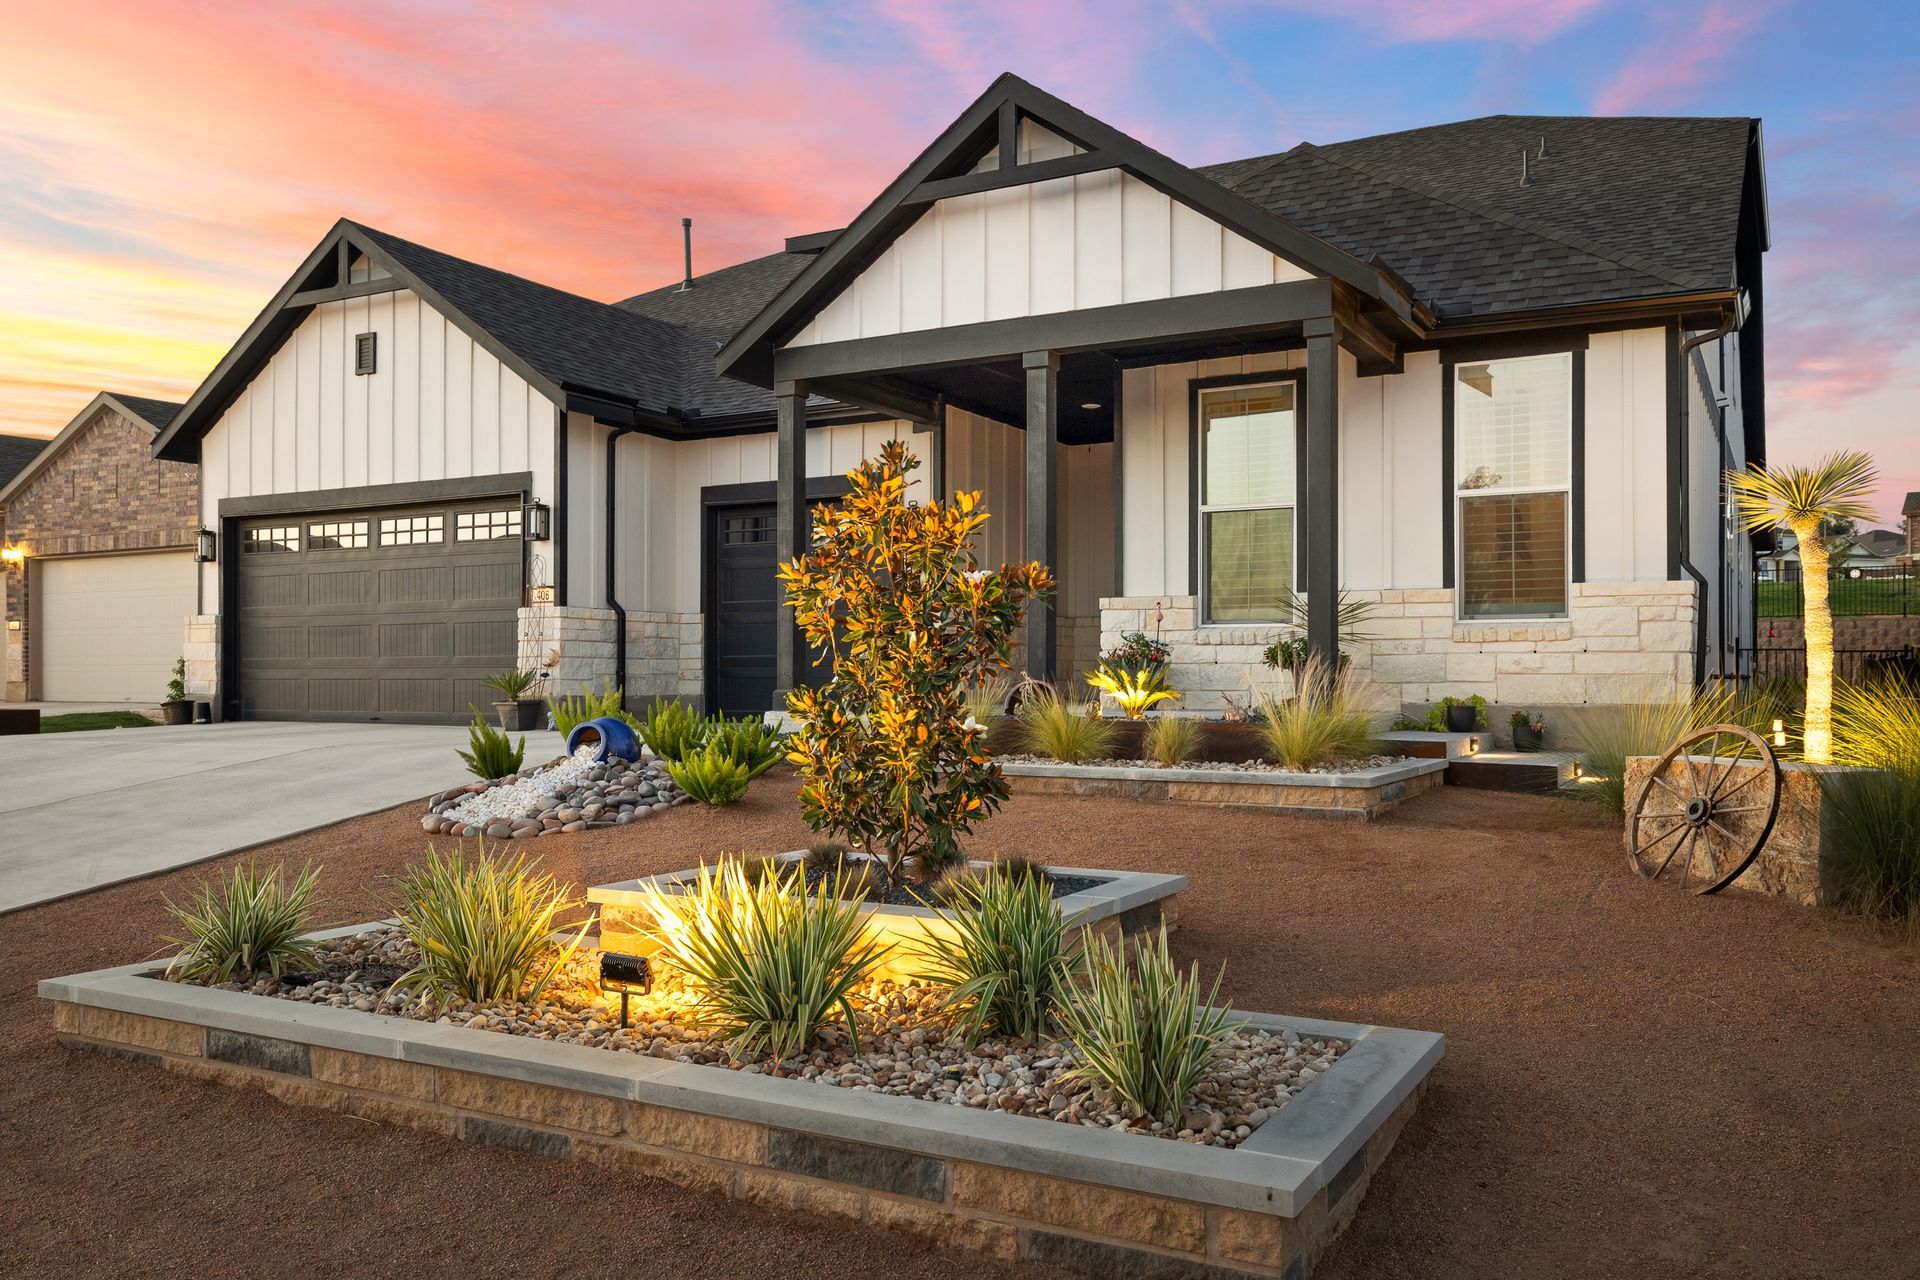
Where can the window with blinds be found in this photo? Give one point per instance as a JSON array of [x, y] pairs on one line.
[[1513, 443], [1247, 500]]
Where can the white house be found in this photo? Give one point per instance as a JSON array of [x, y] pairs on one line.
[[1485, 375]]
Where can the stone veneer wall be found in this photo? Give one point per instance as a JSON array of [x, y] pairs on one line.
[[575, 647], [951, 1202], [102, 493], [202, 652], [666, 656], [1848, 633], [1790, 862], [1625, 642]]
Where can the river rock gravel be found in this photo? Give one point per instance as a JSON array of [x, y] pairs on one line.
[[905, 1048], [570, 793]]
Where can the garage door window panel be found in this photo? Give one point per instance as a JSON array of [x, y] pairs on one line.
[[348, 535], [412, 531], [270, 540], [485, 526]]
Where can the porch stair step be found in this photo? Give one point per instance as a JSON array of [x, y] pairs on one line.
[[1540, 771], [1425, 745]]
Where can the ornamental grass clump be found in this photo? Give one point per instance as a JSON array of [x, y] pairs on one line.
[[482, 928], [1001, 955], [1172, 740], [1069, 733], [1872, 818], [1327, 721], [491, 753], [1607, 736], [1141, 1031], [240, 925], [888, 755], [770, 965]]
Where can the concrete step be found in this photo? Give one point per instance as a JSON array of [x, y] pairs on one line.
[[1542, 771], [1424, 745]]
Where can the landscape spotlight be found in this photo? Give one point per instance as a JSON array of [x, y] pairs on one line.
[[625, 974]]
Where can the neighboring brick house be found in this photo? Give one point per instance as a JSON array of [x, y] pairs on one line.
[[102, 596]]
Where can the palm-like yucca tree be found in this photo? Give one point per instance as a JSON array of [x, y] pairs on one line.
[[1803, 498]]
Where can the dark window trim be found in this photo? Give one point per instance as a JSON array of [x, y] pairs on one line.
[[1577, 460], [512, 484], [1513, 346], [715, 498], [1195, 386]]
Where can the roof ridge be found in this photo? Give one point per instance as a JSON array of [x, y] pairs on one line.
[[1633, 262]]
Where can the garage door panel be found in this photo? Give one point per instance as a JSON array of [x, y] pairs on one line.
[[109, 628], [385, 631]]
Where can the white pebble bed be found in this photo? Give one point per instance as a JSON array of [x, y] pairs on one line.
[[515, 798]]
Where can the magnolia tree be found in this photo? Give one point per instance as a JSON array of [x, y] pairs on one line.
[[888, 756], [1803, 499]]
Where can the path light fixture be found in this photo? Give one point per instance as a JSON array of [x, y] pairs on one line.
[[205, 544], [626, 974], [1473, 746], [536, 519], [1779, 732]]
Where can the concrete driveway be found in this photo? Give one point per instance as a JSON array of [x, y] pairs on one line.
[[82, 810]]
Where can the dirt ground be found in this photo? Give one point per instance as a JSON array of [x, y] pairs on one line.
[[1637, 1083]]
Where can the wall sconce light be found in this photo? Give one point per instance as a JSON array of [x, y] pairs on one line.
[[1473, 746], [1779, 732], [12, 557], [625, 974], [205, 543], [536, 519]]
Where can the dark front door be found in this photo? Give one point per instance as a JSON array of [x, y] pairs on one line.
[[746, 602], [394, 614]]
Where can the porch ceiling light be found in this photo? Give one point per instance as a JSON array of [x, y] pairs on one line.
[[1090, 404], [205, 543], [537, 520]]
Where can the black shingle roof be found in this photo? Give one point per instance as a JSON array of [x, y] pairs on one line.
[[15, 453], [1618, 207], [718, 306], [156, 413]]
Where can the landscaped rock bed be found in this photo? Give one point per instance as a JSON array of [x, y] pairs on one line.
[[1357, 765], [569, 793], [899, 1052]]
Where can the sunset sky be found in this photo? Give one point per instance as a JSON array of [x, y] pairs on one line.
[[167, 164]]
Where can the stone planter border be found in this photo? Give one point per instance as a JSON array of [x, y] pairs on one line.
[[1364, 794], [1017, 1187]]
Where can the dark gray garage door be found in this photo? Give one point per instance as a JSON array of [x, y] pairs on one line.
[[377, 615]]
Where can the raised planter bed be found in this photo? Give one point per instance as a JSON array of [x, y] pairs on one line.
[[1117, 903], [1101, 1202], [1221, 741], [1362, 793]]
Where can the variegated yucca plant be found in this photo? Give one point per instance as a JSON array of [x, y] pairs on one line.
[[1002, 955], [483, 927], [251, 920]]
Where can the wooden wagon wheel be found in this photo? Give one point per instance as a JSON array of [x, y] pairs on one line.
[[1694, 820]]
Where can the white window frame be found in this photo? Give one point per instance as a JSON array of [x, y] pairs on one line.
[[1460, 496], [1203, 509]]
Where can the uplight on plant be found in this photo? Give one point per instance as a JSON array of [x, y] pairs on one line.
[[1136, 690]]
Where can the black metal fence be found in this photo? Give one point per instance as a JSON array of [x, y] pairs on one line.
[[1888, 591], [1851, 666]]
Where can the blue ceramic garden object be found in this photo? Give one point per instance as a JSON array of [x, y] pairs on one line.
[[613, 736]]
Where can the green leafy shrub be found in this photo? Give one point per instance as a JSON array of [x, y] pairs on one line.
[[491, 754], [1137, 649], [177, 687], [1141, 1031], [710, 776], [672, 731], [749, 742], [574, 710], [242, 924], [1607, 736], [512, 685], [769, 963], [482, 928], [1436, 721], [1172, 740], [1325, 722], [1002, 956], [1050, 726], [891, 589]]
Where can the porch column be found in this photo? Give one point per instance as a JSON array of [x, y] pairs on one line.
[[1043, 486], [1323, 489], [790, 528]]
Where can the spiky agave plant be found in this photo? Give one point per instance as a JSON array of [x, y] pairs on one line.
[[1002, 955], [1804, 498], [247, 922], [1136, 689]]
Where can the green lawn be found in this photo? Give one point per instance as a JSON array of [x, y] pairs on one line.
[[82, 720], [1849, 598]]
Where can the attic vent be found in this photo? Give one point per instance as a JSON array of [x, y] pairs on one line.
[[363, 351]]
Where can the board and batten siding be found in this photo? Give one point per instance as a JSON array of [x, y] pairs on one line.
[[439, 406], [1067, 244], [1391, 487]]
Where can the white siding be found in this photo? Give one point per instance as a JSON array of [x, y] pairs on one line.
[[438, 407], [1627, 500], [1063, 245]]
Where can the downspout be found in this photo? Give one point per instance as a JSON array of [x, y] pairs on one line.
[[613, 598], [1683, 369]]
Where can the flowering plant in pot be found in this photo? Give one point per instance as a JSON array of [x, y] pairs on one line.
[[177, 709], [518, 713], [1529, 731]]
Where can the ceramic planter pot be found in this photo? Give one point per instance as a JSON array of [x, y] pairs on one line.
[[172, 712], [1462, 718], [520, 716], [609, 735], [1528, 738]]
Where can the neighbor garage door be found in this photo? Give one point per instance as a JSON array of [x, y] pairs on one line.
[[377, 615], [109, 628]]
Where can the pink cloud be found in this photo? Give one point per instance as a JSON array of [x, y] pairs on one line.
[[1667, 70], [1522, 22]]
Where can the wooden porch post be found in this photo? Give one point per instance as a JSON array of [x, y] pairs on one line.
[[1323, 489], [790, 528], [1043, 484]]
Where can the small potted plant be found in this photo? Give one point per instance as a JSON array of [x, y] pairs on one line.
[[1529, 731], [177, 709], [518, 713], [1458, 715]]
